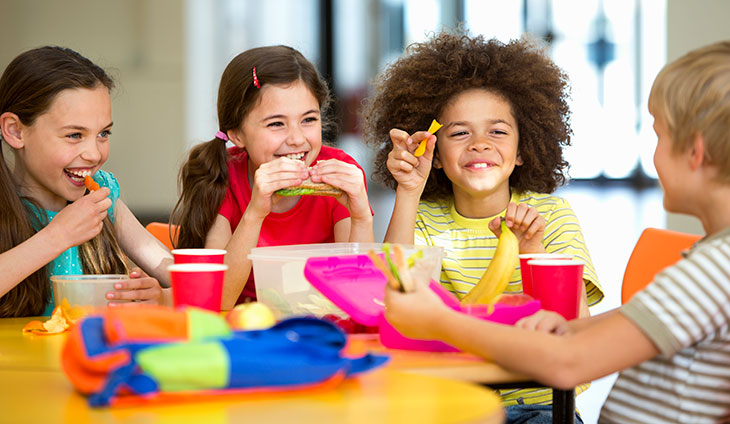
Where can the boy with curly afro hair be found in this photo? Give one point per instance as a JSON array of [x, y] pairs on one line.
[[498, 155], [670, 342]]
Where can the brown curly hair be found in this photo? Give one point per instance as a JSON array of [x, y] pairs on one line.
[[414, 89]]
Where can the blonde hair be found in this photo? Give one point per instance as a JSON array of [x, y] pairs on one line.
[[692, 95]]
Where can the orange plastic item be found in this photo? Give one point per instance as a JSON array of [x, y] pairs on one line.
[[90, 183], [655, 250], [166, 233]]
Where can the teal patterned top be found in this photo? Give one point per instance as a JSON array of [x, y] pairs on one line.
[[69, 262]]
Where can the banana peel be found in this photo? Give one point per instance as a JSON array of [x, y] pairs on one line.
[[497, 276]]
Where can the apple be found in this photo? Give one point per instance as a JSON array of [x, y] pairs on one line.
[[250, 316]]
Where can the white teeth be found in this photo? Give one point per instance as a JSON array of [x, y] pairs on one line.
[[296, 156], [81, 174], [479, 165]]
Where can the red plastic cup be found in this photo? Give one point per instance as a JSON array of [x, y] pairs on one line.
[[525, 268], [199, 256], [197, 284], [556, 283]]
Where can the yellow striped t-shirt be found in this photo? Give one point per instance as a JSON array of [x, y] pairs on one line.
[[469, 246]]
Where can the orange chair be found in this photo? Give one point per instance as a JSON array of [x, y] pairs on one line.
[[164, 232], [655, 250]]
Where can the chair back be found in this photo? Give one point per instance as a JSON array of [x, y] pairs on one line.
[[655, 250], [163, 232]]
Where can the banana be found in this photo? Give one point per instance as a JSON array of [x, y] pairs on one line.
[[497, 276]]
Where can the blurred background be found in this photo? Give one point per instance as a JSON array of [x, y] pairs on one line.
[[167, 57]]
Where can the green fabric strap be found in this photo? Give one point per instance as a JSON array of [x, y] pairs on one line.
[[204, 324], [186, 366]]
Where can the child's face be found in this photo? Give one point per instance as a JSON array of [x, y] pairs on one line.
[[285, 122], [477, 148], [669, 166], [63, 144]]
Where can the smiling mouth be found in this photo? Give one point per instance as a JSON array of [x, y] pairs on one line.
[[480, 165], [78, 176], [295, 156]]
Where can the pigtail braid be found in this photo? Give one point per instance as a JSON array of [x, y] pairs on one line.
[[203, 183]]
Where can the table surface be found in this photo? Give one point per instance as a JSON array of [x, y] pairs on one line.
[[398, 392]]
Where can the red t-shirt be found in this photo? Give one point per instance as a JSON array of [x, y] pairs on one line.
[[311, 220]]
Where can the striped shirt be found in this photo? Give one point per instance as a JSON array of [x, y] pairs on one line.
[[469, 247], [685, 312]]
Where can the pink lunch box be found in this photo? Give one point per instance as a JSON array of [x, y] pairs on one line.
[[354, 284]]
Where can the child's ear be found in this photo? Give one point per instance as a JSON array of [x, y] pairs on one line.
[[697, 152], [436, 161], [236, 137], [518, 160], [11, 130]]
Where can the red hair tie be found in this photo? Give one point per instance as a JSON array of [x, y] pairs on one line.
[[255, 79]]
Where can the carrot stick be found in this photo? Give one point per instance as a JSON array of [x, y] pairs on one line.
[[90, 183]]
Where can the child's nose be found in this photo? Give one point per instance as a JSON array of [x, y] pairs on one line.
[[481, 142], [91, 152], [296, 137]]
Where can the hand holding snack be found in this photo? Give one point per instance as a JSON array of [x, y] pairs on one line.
[[526, 224], [350, 180], [270, 177], [90, 183], [408, 170], [431, 130], [82, 220]]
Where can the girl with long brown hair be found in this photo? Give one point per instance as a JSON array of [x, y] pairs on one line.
[[272, 105], [55, 118]]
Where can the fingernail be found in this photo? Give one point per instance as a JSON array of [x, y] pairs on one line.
[[110, 295], [117, 285]]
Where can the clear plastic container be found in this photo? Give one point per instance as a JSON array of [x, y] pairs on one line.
[[87, 291], [282, 286]]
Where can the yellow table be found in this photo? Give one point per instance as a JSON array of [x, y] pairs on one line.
[[36, 390]]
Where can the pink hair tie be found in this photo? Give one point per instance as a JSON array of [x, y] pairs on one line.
[[221, 135], [255, 79]]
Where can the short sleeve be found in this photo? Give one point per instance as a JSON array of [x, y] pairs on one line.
[[687, 302]]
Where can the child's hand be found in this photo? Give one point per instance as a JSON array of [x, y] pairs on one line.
[[140, 288], [348, 178], [414, 313], [271, 176], [526, 224], [83, 219], [408, 170], [546, 322]]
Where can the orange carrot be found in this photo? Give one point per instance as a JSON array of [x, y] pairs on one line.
[[90, 183]]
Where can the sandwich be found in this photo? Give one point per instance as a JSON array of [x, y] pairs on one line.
[[310, 188]]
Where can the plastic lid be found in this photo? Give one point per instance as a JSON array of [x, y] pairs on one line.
[[351, 282]]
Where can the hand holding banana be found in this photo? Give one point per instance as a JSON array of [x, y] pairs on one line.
[[497, 276]]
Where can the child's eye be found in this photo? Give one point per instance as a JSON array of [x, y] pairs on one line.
[[500, 132], [75, 136], [105, 134], [275, 124], [458, 133], [310, 119]]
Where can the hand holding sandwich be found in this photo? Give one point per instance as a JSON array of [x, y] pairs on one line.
[[348, 178]]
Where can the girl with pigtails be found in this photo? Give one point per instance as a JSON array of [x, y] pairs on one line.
[[273, 107]]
